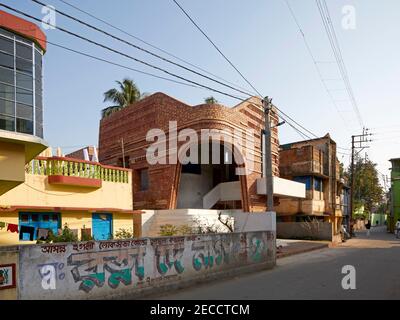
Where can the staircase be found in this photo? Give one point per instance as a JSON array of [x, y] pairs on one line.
[[226, 191]]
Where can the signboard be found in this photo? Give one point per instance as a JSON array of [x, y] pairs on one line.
[[7, 276]]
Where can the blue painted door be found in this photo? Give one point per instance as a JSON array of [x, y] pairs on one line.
[[102, 226]]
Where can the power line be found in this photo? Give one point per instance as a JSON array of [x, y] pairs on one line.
[[138, 48], [316, 64], [330, 31], [120, 53], [147, 64], [146, 42], [216, 47]]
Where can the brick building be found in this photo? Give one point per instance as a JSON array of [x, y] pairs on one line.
[[175, 185], [314, 163]]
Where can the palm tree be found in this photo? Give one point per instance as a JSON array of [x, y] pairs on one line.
[[125, 95], [210, 100]]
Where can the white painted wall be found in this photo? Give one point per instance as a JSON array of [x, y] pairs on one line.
[[193, 187], [283, 187], [254, 221]]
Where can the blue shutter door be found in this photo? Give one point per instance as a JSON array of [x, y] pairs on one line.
[[101, 225]]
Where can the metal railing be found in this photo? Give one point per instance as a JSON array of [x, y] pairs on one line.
[[58, 166]]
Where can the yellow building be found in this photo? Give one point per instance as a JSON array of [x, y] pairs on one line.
[[87, 196], [38, 194]]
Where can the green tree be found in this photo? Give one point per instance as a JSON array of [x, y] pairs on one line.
[[123, 96], [367, 190], [210, 100]]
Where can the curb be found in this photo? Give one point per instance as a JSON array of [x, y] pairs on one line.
[[294, 252]]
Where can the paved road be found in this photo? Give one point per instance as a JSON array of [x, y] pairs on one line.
[[317, 274]]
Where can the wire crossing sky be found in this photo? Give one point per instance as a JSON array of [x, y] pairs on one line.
[[260, 38]]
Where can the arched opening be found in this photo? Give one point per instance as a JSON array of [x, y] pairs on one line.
[[212, 184]]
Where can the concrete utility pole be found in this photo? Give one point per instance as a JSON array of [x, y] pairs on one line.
[[357, 142], [269, 184], [123, 152]]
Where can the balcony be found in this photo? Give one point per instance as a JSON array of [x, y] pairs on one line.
[[303, 161], [74, 172]]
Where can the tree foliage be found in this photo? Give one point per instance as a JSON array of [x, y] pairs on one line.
[[126, 94], [367, 190]]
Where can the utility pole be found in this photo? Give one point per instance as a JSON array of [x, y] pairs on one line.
[[123, 152], [269, 184], [357, 142]]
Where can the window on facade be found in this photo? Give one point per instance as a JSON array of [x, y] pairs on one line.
[[24, 81], [317, 184], [25, 96], [36, 221], [6, 76], [6, 60], [7, 123], [7, 45], [24, 65], [24, 126], [24, 51], [7, 91], [143, 179], [24, 111], [305, 179], [7, 107]]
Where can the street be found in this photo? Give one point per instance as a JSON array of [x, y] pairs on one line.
[[317, 274]]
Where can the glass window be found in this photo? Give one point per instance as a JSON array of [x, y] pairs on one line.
[[6, 33], [306, 180], [144, 179], [7, 123], [45, 218], [22, 39], [24, 51], [24, 111], [38, 58], [38, 72], [24, 65], [7, 107], [24, 81], [24, 218], [7, 75], [7, 45], [7, 92], [6, 60], [25, 96], [317, 184], [24, 126]]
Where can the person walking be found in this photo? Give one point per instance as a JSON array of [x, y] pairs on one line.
[[397, 228], [368, 227]]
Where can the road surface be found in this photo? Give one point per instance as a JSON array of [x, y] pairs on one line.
[[316, 275]]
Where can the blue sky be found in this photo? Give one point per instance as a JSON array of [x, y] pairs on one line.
[[263, 41]]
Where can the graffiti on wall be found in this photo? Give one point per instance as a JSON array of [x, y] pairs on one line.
[[97, 266]]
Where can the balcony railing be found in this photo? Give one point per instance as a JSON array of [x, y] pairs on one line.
[[59, 166]]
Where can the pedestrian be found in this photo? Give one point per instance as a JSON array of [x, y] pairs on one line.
[[368, 227], [397, 228]]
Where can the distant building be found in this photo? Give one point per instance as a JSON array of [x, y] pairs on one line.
[[314, 163], [394, 193], [89, 153]]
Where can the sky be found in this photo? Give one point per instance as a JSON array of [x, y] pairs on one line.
[[263, 41]]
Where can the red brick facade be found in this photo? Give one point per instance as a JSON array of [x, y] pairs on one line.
[[133, 123]]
